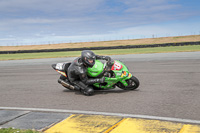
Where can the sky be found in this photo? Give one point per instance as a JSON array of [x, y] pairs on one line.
[[33, 22]]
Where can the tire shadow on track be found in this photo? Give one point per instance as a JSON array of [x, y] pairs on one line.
[[101, 92]]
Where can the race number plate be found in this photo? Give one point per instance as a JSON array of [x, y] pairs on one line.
[[116, 66]]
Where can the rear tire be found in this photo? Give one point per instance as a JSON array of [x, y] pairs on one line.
[[133, 83]]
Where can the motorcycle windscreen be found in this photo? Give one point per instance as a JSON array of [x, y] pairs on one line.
[[96, 69]]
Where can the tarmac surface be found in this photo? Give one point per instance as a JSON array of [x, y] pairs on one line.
[[54, 122], [169, 89]]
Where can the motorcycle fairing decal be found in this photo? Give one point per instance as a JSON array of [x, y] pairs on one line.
[[116, 66], [63, 73], [124, 73], [129, 75]]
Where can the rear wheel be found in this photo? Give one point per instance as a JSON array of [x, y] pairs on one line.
[[133, 83]]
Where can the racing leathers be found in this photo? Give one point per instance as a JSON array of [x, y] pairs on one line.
[[77, 75]]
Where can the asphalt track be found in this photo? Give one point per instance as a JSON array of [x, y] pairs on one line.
[[169, 87]]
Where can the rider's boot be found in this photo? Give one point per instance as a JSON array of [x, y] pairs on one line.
[[88, 91], [85, 89]]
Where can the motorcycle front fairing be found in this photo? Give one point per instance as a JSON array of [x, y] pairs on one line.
[[121, 74]]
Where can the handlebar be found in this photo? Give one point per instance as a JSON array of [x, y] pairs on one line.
[[105, 64]]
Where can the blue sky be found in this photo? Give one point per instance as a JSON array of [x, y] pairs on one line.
[[31, 22]]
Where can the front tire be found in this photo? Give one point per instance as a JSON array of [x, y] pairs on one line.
[[133, 83]]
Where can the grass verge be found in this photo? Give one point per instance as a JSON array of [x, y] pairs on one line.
[[100, 52], [11, 130]]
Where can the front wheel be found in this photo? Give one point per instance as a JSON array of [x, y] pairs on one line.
[[133, 83]]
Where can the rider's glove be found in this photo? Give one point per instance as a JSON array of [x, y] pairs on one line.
[[95, 80], [107, 58]]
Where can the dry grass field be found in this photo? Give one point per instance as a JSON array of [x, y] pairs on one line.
[[176, 39]]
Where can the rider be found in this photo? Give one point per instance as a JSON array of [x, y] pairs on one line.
[[77, 71]]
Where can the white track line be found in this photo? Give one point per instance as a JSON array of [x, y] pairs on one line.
[[104, 113]]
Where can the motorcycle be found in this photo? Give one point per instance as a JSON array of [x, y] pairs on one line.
[[118, 75]]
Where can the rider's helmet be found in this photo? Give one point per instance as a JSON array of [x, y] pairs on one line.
[[88, 58]]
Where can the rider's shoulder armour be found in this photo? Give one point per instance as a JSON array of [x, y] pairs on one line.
[[79, 66]]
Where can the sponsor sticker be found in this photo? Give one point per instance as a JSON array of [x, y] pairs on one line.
[[126, 74]]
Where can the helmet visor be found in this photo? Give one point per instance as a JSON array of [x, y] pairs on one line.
[[91, 61]]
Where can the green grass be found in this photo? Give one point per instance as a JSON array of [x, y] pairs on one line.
[[100, 52], [11, 130]]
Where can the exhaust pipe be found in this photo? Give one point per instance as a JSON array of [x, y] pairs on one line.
[[62, 82]]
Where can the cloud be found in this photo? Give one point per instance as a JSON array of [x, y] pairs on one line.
[[143, 31], [145, 2], [49, 19], [48, 6], [151, 9], [7, 39]]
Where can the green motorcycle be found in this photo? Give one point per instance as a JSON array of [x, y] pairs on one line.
[[118, 75]]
